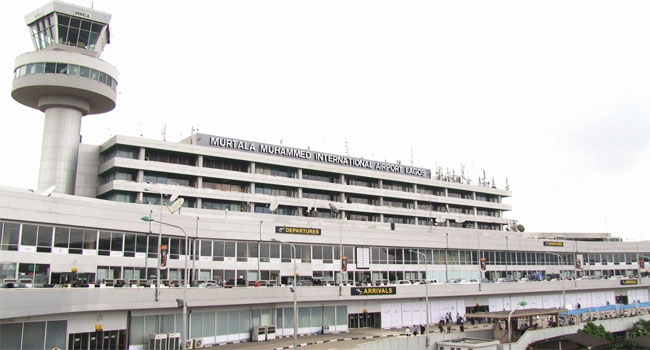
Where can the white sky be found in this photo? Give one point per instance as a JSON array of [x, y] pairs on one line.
[[553, 95]]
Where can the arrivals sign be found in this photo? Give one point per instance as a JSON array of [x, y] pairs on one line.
[[553, 244], [373, 290], [629, 282], [296, 153], [297, 230]]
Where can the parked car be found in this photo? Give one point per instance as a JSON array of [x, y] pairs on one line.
[[454, 280], [504, 280], [12, 285], [401, 282], [208, 285], [235, 282], [469, 281]]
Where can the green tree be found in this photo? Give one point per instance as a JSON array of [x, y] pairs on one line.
[[597, 330]]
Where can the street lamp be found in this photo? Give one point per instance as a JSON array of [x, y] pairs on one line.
[[426, 288], [159, 243], [295, 292], [521, 303], [563, 290], [184, 301]]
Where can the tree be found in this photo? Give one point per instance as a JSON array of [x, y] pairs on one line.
[[597, 330]]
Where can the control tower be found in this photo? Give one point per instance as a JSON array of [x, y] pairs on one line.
[[65, 79]]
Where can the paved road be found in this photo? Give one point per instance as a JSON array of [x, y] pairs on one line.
[[318, 342]]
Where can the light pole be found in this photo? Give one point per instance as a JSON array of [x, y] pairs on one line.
[[426, 288], [295, 292], [184, 330], [521, 303], [157, 297], [563, 290]]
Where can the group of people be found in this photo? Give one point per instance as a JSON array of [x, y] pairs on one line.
[[415, 330]]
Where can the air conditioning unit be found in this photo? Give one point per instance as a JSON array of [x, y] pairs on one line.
[[198, 343], [189, 344]]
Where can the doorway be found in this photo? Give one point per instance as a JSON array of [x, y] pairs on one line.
[[365, 320]]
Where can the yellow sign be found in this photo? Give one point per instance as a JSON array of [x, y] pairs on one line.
[[373, 290], [629, 282], [99, 327], [553, 244], [297, 230]]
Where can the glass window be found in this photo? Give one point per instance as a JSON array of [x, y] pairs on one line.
[[90, 239], [29, 235], [61, 68], [44, 241], [84, 72], [55, 334]]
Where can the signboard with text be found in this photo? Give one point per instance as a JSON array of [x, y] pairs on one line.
[[314, 156], [297, 230], [373, 290]]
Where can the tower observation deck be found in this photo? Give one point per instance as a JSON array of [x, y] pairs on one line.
[[66, 80]]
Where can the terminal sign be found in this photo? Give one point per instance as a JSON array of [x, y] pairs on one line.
[[553, 244], [629, 282], [298, 230], [306, 154], [373, 290]]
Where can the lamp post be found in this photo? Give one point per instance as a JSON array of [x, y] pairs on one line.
[[426, 288], [521, 303], [563, 290], [295, 292], [184, 330], [157, 296]]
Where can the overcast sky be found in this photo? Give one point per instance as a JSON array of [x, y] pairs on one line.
[[553, 95]]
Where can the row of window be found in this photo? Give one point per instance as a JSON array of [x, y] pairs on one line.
[[281, 171], [65, 68], [46, 239]]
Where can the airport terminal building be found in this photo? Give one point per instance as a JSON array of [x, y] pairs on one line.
[[354, 234]]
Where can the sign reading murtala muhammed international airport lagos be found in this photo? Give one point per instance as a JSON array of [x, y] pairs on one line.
[[373, 290], [297, 230], [296, 153]]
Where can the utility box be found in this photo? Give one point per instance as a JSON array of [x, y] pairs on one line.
[[270, 332], [158, 342], [174, 341], [258, 334]]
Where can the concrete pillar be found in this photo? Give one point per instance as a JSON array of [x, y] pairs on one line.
[[60, 149]]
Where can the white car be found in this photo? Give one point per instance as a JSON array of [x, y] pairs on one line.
[[469, 281]]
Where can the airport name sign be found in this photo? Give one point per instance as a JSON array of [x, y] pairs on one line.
[[296, 153]]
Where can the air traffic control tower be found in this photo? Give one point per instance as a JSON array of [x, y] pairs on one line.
[[65, 79]]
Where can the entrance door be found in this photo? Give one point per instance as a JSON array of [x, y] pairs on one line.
[[365, 320]]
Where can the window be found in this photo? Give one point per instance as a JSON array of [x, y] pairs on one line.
[[397, 186], [322, 195], [225, 164], [276, 190], [398, 203], [320, 176], [169, 179], [223, 205], [434, 191], [225, 185], [275, 170], [10, 234], [362, 181], [170, 157], [361, 199]]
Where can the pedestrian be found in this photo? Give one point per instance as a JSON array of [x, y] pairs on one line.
[[449, 328], [457, 318], [408, 331], [578, 306], [422, 329], [462, 327], [440, 327], [415, 330]]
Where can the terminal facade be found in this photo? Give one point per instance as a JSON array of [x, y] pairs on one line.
[[99, 274]]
